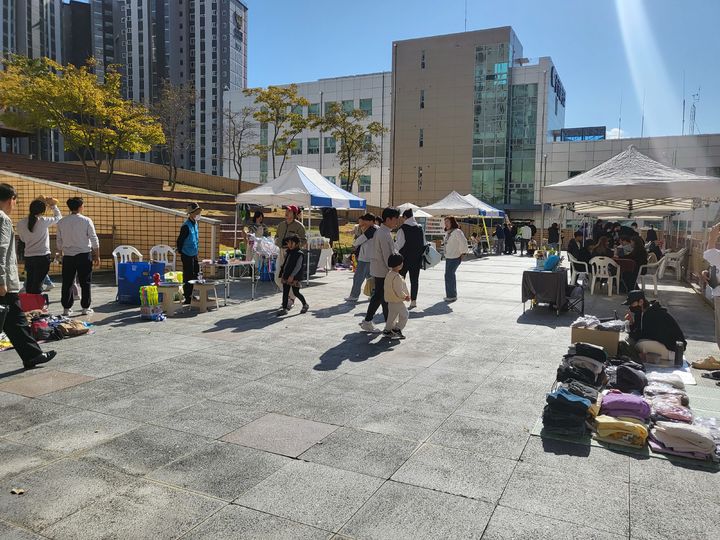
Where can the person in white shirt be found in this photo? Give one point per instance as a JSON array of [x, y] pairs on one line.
[[455, 247], [33, 231], [363, 245], [525, 237], [79, 244], [712, 255]]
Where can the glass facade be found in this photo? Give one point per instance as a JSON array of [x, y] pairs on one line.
[[328, 145], [313, 109], [296, 147], [313, 145], [348, 105], [366, 106], [490, 122], [523, 124], [364, 183]]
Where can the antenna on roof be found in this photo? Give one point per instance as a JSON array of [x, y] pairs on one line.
[[683, 115], [466, 15], [620, 117], [693, 109], [642, 119]]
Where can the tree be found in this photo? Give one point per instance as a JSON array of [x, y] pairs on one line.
[[278, 107], [171, 110], [357, 151], [92, 117], [240, 138]]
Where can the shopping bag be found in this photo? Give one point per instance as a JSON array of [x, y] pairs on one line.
[[369, 287], [31, 302], [431, 257]]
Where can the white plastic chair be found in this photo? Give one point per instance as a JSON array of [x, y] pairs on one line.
[[164, 253], [674, 262], [123, 254], [653, 272], [574, 273], [601, 270]]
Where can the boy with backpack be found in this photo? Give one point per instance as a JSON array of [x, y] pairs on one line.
[[291, 274], [396, 294]]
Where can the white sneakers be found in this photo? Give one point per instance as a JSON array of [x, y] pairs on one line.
[[368, 326], [67, 312], [413, 304], [88, 311]]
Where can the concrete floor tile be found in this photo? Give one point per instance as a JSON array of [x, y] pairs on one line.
[[439, 399], [144, 510], [327, 408], [91, 394], [17, 458], [73, 432], [221, 470], [21, 413], [257, 394], [399, 421], [280, 434], [234, 522], [11, 532], [497, 437], [144, 449], [510, 524], [312, 494], [361, 451], [361, 387], [43, 382], [211, 419], [149, 404], [681, 476], [457, 472], [402, 512]]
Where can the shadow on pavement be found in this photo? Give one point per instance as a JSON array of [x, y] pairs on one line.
[[355, 347], [440, 308], [544, 316]]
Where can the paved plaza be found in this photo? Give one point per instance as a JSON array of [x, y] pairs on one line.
[[239, 424]]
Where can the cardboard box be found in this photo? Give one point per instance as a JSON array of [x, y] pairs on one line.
[[601, 338]]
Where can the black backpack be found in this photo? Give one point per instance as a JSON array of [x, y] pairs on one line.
[[591, 351]]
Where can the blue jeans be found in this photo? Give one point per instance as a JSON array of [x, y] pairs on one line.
[[361, 272], [451, 266]]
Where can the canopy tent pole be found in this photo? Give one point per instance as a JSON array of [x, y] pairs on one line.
[[487, 238], [307, 263], [235, 235]]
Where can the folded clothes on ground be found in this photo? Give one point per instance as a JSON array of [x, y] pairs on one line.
[[684, 437], [616, 403], [590, 350], [582, 390], [660, 389], [584, 362], [660, 448], [668, 378], [617, 431], [629, 379], [571, 373], [669, 408], [563, 422], [565, 401]]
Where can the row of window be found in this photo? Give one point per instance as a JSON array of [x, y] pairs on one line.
[[348, 105], [364, 182]]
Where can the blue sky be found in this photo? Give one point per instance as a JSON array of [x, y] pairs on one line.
[[603, 49]]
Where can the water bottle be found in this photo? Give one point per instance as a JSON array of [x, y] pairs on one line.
[[679, 350]]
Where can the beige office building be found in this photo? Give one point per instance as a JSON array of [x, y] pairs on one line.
[[471, 114]]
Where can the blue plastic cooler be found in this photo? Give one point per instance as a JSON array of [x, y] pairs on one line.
[[132, 276]]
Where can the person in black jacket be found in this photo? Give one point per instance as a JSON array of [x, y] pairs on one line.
[[651, 235], [291, 274], [410, 243], [650, 322], [554, 236]]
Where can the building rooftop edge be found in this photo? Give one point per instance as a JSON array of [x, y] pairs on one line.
[[388, 72], [507, 27]]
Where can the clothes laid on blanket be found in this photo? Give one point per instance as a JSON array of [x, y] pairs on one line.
[[617, 431], [684, 438], [585, 362], [564, 400], [616, 403], [669, 408], [582, 390], [567, 373], [565, 412], [591, 351], [668, 378], [659, 389], [626, 360], [628, 379]]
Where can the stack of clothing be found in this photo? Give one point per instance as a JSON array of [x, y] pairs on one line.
[[669, 408], [584, 363], [623, 419], [627, 376], [684, 440], [565, 412]]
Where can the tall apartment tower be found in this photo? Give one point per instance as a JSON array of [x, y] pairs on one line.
[[471, 114]]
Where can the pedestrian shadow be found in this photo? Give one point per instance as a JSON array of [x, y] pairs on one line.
[[440, 308], [340, 309], [355, 347], [252, 321], [13, 372]]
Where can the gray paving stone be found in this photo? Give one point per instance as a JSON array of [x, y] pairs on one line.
[[327, 408], [304, 378], [399, 421], [280, 434], [457, 472], [361, 451], [222, 470], [11, 532], [17, 458], [400, 511], [494, 403], [490, 437], [547, 492], [312, 494], [239, 522], [510, 524], [144, 449], [149, 404], [43, 381], [449, 380], [677, 513], [144, 510], [438, 399], [261, 395], [211, 419], [56, 491], [654, 472], [361, 387], [73, 432], [91, 394]]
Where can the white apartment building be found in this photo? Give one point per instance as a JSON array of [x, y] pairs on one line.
[[370, 93]]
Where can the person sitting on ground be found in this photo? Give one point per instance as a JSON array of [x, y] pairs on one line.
[[652, 328], [291, 274], [651, 235], [396, 294]]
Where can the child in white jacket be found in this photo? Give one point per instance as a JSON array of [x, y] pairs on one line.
[[396, 294]]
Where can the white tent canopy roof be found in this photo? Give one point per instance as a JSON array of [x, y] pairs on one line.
[[452, 205], [417, 211], [485, 209], [635, 183], [302, 186]]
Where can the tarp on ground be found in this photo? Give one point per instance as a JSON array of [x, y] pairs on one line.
[[452, 205], [417, 211], [633, 182], [305, 187], [485, 209]]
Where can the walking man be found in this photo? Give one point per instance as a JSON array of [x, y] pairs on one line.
[[188, 245], [15, 325], [79, 244], [363, 245], [292, 226], [383, 247], [410, 243], [525, 237]]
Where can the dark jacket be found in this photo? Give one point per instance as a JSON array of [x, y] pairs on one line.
[[293, 265], [414, 247], [553, 235], [499, 232], [651, 236], [657, 324], [579, 252], [329, 226], [656, 250]]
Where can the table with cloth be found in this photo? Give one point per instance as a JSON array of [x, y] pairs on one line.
[[547, 287]]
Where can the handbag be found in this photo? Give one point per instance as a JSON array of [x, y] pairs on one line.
[[431, 257], [369, 286]]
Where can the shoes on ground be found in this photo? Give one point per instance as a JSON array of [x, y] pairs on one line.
[[368, 326], [351, 299], [398, 333], [709, 362], [67, 312], [88, 311], [280, 312], [40, 359], [390, 334], [449, 299], [413, 304], [305, 308], [187, 302], [712, 375]]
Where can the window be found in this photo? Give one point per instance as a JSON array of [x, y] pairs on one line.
[[313, 145], [314, 110], [419, 178], [574, 173], [348, 105], [328, 145], [297, 109], [422, 99], [364, 183], [328, 106], [367, 145], [421, 138], [296, 147], [366, 106], [422, 60], [713, 171], [332, 179]]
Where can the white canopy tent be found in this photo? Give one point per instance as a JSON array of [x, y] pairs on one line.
[[417, 211], [453, 204], [485, 209]]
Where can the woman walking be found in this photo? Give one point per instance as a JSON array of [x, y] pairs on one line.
[[33, 231], [456, 246]]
